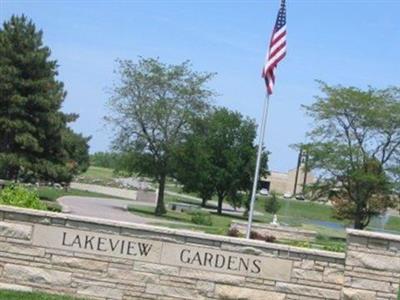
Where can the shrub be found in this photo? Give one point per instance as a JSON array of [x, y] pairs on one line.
[[16, 195], [254, 235], [302, 244], [270, 238], [201, 218], [334, 247], [272, 204], [234, 232]]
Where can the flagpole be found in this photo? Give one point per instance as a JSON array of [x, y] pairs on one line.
[[257, 170]]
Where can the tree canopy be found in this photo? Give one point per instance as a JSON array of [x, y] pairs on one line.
[[356, 148], [219, 157], [35, 141], [151, 109], [105, 159]]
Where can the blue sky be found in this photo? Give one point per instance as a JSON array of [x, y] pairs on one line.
[[348, 42]]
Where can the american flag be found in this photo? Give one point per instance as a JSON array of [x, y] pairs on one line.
[[277, 49]]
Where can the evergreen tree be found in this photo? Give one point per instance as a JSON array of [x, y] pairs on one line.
[[77, 151], [31, 123]]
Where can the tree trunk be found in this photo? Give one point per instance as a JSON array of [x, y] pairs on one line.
[[203, 202], [220, 199], [12, 173], [160, 208], [247, 205], [358, 223]]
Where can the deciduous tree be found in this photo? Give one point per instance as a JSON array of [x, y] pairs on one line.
[[220, 157], [356, 148], [151, 109]]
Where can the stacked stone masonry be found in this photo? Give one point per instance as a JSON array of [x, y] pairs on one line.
[[99, 259], [372, 266]]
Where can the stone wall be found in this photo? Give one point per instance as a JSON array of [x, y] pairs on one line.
[[279, 232], [98, 259], [372, 266]]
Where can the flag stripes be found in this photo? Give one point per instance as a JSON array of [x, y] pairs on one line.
[[277, 49]]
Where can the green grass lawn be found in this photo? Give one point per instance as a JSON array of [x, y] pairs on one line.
[[174, 188], [14, 295], [300, 209], [297, 213], [306, 215], [52, 194], [98, 173], [293, 210], [331, 241], [393, 224], [220, 223], [100, 176]]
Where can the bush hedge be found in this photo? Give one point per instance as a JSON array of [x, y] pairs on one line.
[[16, 195], [201, 218]]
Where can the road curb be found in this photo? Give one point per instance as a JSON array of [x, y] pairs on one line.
[[64, 208]]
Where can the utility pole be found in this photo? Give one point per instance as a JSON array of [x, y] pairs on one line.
[[305, 172], [297, 172]]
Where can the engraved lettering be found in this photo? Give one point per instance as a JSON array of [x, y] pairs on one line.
[[196, 258], [186, 261], [122, 246], [131, 246], [219, 261], [257, 267], [208, 257], [100, 242], [114, 246], [88, 241], [144, 249], [244, 263], [77, 241], [63, 240], [231, 263]]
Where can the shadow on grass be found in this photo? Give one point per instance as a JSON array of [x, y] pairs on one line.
[[193, 202], [149, 212]]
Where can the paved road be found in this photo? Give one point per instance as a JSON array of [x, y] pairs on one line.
[[116, 192], [104, 208], [115, 209], [131, 194]]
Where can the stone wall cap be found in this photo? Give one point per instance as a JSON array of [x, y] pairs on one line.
[[374, 234], [176, 232]]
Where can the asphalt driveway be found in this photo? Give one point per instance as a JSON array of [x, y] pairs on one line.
[[103, 208]]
